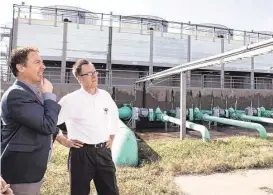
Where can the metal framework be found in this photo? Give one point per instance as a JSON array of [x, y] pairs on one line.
[[247, 51]]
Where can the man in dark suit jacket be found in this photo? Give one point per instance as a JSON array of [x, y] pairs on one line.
[[29, 114]]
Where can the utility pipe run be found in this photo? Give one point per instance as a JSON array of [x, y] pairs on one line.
[[256, 118], [202, 129], [237, 123]]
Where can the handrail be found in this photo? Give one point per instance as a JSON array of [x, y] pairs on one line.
[[197, 80], [140, 19]]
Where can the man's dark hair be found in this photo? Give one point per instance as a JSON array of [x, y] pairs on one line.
[[77, 67], [20, 56]]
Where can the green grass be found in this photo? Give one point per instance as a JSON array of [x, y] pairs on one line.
[[174, 157]]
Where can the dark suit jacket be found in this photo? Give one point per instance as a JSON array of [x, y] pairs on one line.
[[26, 135]]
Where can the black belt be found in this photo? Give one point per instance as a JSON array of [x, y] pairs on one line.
[[99, 145]]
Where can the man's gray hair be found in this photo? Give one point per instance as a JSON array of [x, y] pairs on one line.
[[77, 67]]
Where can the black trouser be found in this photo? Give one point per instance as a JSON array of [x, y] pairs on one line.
[[89, 163]]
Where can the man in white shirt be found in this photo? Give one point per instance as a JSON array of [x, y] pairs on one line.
[[91, 118]]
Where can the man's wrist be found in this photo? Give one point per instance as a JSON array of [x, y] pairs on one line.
[[61, 139]]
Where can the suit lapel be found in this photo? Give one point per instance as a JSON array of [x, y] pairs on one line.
[[27, 88]]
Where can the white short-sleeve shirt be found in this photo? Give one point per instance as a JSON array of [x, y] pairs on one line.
[[90, 119]]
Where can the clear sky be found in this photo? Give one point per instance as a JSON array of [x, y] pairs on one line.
[[237, 14]]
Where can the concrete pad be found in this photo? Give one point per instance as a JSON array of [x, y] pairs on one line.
[[251, 182]]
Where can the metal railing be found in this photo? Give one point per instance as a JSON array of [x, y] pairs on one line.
[[214, 81], [140, 23], [130, 41], [127, 78]]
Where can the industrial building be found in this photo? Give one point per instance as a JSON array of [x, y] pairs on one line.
[[125, 48]]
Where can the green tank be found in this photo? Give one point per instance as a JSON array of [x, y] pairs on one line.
[[125, 147], [125, 112]]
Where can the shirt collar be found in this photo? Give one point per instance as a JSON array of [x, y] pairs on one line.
[[33, 87], [85, 92]]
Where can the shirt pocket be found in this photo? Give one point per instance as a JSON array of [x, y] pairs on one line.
[[103, 115]]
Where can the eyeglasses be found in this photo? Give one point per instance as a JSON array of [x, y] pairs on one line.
[[95, 73]]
